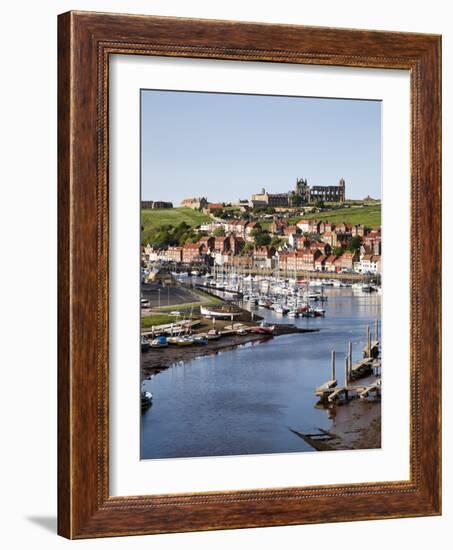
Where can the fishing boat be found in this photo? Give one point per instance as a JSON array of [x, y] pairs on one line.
[[319, 312], [146, 399], [293, 313], [159, 342], [144, 343]]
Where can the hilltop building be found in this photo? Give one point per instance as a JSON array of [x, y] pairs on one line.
[[326, 193], [306, 193], [196, 203]]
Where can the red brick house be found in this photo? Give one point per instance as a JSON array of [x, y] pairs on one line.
[[323, 247], [221, 244], [320, 262], [332, 263], [236, 244], [330, 238], [174, 253], [207, 244], [277, 227], [191, 252], [348, 259]]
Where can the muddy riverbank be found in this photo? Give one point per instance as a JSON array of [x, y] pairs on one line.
[[355, 424]]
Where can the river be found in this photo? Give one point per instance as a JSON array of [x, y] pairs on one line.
[[245, 400]]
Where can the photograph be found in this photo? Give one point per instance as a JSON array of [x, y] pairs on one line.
[[261, 274]]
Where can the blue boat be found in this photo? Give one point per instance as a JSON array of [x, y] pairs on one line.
[[159, 342]]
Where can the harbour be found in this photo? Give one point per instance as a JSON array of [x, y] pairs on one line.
[[253, 393]]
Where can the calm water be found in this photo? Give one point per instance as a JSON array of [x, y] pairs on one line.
[[244, 401]]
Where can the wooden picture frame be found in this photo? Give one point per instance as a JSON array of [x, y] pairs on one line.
[[85, 42]]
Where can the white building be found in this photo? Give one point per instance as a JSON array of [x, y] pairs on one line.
[[369, 264]]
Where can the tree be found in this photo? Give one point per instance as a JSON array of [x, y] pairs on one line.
[[262, 239], [319, 204], [354, 243], [337, 251], [276, 242], [219, 231], [255, 232], [247, 248]]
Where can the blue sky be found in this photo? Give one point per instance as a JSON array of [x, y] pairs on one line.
[[228, 146]]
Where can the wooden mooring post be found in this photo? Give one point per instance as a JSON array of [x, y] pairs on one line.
[[333, 365], [369, 341], [349, 360], [346, 377]]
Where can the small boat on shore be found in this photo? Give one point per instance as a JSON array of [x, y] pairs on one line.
[[185, 341], [225, 311], [146, 399], [213, 335], [200, 339], [144, 343], [159, 342]]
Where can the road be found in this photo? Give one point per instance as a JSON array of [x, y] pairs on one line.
[[169, 296]]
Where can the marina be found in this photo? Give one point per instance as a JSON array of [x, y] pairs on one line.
[[252, 392]]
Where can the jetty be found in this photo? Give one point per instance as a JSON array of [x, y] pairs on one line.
[[171, 329], [330, 391]]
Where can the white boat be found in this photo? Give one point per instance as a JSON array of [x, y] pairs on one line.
[[218, 313], [213, 335], [144, 343], [200, 339], [293, 314], [146, 399]]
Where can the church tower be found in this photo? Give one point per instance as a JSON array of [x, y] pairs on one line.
[[342, 190], [302, 188]]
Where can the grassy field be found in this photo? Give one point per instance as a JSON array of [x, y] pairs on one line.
[[172, 216], [158, 319], [367, 215]]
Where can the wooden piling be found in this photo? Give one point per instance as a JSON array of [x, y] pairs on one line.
[[369, 340], [346, 373], [349, 358], [333, 365], [376, 330]]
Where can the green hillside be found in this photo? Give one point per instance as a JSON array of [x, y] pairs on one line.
[[366, 215], [151, 220]]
